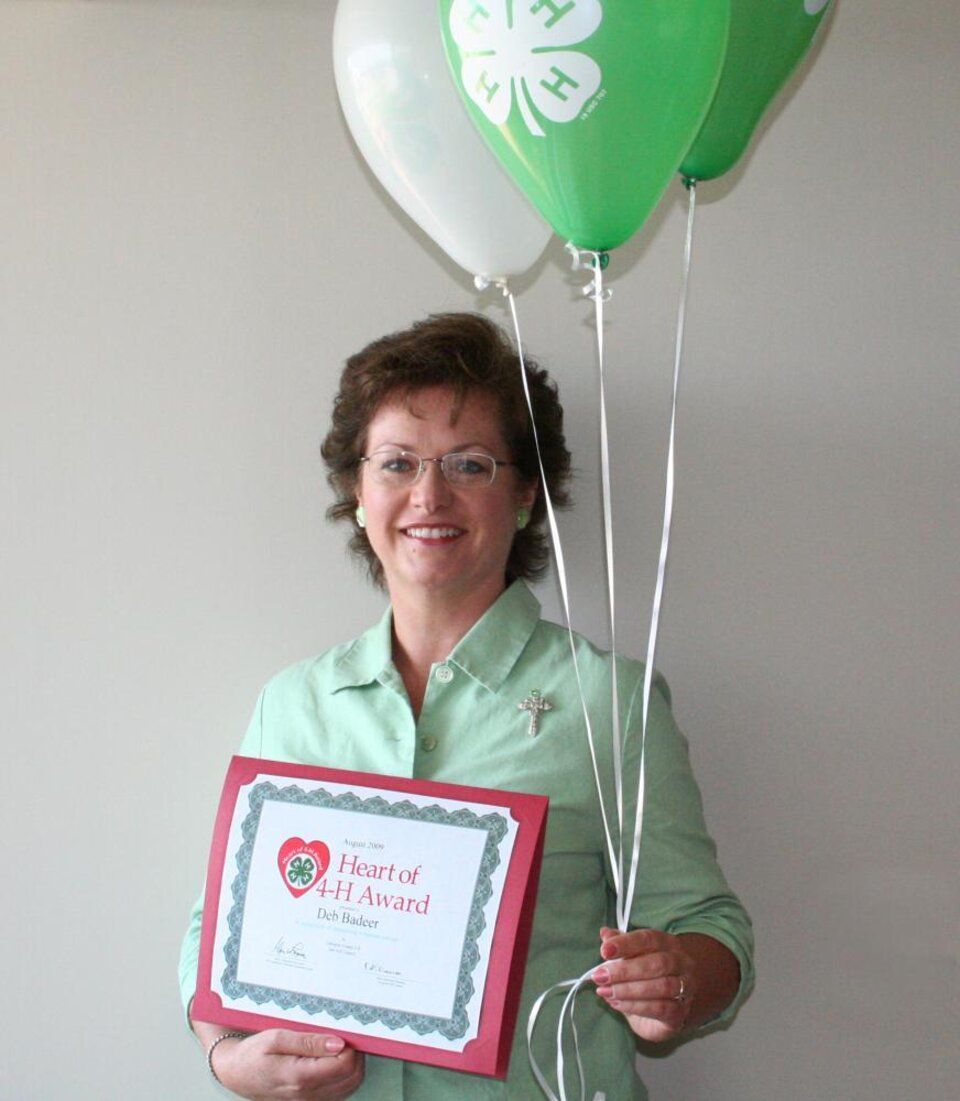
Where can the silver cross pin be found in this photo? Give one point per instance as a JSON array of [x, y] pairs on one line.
[[534, 703]]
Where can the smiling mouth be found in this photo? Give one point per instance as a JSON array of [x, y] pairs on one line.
[[433, 533]]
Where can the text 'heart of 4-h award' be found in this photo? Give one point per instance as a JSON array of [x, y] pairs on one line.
[[394, 912]]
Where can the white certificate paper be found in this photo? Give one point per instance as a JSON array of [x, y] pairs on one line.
[[348, 904]]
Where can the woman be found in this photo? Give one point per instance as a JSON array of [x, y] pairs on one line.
[[432, 459]]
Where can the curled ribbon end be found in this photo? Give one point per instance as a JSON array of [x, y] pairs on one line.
[[591, 290], [596, 262], [586, 259]]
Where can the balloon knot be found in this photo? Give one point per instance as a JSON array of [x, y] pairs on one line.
[[481, 282]]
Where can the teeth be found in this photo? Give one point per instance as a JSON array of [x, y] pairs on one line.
[[433, 533]]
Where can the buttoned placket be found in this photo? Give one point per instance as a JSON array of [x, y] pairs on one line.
[[428, 737]]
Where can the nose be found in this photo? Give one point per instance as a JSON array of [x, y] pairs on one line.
[[431, 490]]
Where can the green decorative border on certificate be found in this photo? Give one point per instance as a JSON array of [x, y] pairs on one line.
[[453, 1027]]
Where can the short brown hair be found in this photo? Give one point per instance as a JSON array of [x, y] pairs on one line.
[[468, 354]]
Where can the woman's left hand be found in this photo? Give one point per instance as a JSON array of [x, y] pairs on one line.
[[662, 983], [650, 978]]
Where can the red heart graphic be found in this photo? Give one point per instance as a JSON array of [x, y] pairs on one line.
[[302, 864]]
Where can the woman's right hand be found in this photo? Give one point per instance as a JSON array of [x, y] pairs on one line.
[[282, 1064]]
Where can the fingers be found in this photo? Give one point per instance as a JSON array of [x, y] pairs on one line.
[[347, 1078], [666, 997], [654, 965], [655, 1009], [307, 1045], [318, 1061], [647, 976], [638, 942], [282, 1063]]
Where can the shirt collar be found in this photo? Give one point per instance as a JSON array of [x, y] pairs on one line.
[[492, 646], [487, 652], [368, 658]]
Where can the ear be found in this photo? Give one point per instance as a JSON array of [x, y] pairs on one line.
[[527, 493]]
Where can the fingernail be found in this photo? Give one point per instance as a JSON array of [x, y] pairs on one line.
[[333, 1044], [601, 975]]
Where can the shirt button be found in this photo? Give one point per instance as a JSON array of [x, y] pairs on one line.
[[428, 743], [444, 674]]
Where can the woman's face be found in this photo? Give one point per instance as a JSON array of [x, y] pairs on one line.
[[432, 538]]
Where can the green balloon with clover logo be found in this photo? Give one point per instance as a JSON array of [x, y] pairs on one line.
[[589, 105], [767, 40]]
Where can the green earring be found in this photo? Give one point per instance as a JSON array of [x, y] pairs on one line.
[[361, 516], [523, 518]]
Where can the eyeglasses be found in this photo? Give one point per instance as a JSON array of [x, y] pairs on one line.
[[392, 467]]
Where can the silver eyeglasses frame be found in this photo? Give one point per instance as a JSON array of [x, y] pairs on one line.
[[447, 464]]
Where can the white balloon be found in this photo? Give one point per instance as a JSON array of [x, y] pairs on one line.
[[407, 119]]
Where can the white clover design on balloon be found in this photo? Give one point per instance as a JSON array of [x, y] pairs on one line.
[[517, 50]]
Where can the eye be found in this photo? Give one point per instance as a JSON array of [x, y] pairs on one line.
[[471, 464], [468, 466], [396, 462]]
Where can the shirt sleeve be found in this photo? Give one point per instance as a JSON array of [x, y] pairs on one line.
[[680, 885], [190, 947], [189, 954]]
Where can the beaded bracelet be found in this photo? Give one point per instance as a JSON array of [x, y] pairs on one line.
[[213, 1047]]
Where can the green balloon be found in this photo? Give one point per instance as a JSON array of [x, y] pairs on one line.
[[589, 106], [767, 40]]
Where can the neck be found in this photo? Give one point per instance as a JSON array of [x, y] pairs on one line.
[[425, 631]]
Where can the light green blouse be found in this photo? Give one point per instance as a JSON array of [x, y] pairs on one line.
[[348, 709]]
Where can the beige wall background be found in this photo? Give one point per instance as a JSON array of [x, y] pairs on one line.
[[189, 247]]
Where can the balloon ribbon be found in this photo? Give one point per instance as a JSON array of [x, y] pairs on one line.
[[624, 897]]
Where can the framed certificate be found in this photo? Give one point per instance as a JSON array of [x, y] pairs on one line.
[[394, 912]]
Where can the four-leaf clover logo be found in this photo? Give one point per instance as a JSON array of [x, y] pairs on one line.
[[300, 871], [302, 863], [516, 51]]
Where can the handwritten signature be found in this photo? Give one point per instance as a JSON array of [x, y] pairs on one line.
[[381, 970], [297, 950]]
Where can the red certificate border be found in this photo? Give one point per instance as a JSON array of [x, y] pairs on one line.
[[489, 1052]]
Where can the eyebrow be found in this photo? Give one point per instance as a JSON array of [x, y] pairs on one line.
[[474, 446]]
